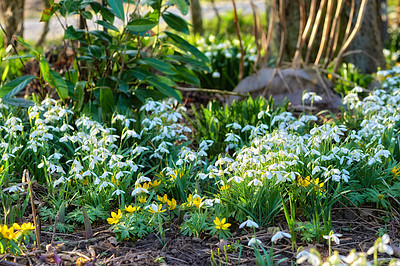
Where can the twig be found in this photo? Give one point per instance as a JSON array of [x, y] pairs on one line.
[[76, 243], [35, 217], [314, 31], [297, 55], [325, 32], [222, 92]]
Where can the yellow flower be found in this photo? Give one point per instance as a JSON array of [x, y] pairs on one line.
[[171, 204], [153, 208], [223, 188], [197, 202], [1, 168], [220, 224], [145, 186], [304, 181], [381, 196], [8, 233], [163, 199], [142, 199], [24, 229], [132, 209], [155, 184], [395, 172], [115, 217]]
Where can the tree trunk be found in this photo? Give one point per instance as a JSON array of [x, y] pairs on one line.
[[369, 40], [13, 18], [197, 19]]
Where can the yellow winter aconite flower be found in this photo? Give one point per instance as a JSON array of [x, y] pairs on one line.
[[197, 202], [381, 196], [171, 204], [395, 171], [132, 209], [142, 199], [163, 199], [153, 208], [24, 226], [145, 186], [220, 224], [304, 181], [115, 217], [8, 233], [1, 169], [156, 183]]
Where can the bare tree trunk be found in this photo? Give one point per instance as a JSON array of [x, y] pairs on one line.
[[368, 40], [197, 19], [13, 18]]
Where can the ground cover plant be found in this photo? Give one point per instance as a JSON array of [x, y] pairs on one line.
[[141, 174], [117, 171]]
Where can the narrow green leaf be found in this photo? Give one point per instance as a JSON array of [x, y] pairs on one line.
[[187, 47], [141, 25], [118, 8], [23, 43], [176, 22], [58, 82], [164, 88], [107, 25], [47, 13], [159, 65], [106, 101], [18, 57], [18, 102], [15, 86]]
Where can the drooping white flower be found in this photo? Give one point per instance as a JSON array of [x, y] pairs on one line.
[[279, 235], [248, 223]]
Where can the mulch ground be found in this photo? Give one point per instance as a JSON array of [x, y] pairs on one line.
[[359, 227]]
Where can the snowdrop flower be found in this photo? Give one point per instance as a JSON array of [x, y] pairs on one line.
[[310, 257], [278, 235], [139, 190], [216, 75], [253, 241], [142, 179], [14, 189], [255, 182], [312, 96], [237, 179], [248, 223], [383, 246], [334, 237], [118, 192]]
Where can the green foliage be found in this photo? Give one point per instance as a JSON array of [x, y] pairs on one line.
[[211, 122], [116, 69], [350, 73]]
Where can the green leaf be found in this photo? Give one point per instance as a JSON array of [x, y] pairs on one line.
[[159, 65], [118, 8], [59, 84], [95, 51], [198, 65], [106, 101], [86, 15], [187, 47], [101, 35], [73, 34], [107, 25], [47, 13], [23, 43], [44, 69], [107, 14], [18, 57], [18, 102], [164, 88], [15, 86], [141, 25], [182, 6], [176, 22]]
